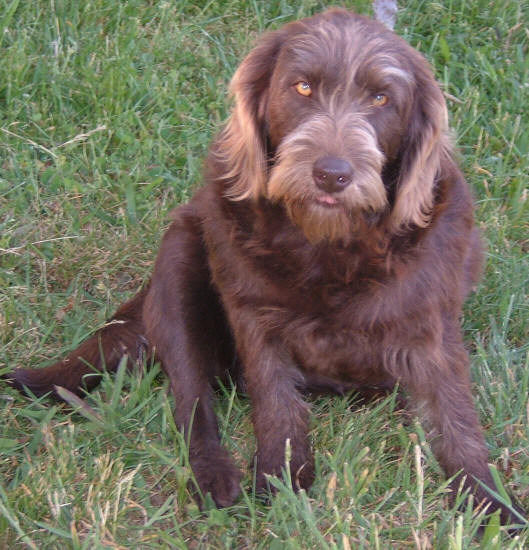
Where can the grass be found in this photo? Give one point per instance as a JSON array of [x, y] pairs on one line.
[[106, 112]]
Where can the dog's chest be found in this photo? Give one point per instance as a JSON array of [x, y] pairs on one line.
[[338, 355], [326, 334], [322, 305]]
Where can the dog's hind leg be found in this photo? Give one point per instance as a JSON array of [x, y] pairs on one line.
[[187, 329]]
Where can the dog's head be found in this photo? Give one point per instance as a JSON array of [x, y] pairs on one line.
[[340, 120]]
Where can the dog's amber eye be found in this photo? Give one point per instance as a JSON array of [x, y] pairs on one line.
[[303, 88], [379, 100]]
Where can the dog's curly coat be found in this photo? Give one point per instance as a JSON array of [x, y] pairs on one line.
[[330, 249]]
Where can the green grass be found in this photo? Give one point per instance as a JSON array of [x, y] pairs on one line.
[[106, 111]]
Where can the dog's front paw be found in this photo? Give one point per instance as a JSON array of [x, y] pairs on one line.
[[301, 470], [512, 515], [217, 476]]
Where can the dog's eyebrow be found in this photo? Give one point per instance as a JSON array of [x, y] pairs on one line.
[[393, 72], [382, 71], [378, 63], [386, 64]]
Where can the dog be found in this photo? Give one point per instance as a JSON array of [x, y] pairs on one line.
[[329, 250]]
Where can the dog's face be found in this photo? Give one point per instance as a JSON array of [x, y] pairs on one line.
[[342, 122]]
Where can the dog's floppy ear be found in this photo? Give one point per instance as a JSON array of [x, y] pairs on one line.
[[426, 143], [242, 144]]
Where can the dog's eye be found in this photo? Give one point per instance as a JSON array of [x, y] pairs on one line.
[[303, 88], [379, 100]]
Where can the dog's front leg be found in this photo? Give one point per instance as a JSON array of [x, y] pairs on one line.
[[184, 324], [280, 415], [440, 393]]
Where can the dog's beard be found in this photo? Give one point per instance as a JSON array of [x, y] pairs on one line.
[[319, 223], [320, 215]]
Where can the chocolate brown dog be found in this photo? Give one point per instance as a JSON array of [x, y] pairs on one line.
[[331, 248]]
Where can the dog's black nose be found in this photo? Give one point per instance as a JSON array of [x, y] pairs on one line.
[[332, 174]]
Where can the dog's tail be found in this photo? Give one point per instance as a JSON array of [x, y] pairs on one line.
[[81, 369]]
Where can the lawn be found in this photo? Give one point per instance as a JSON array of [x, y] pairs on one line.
[[106, 112]]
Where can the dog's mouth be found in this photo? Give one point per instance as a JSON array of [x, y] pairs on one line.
[[327, 201]]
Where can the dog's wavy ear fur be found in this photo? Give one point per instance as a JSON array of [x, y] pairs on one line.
[[242, 147], [427, 142]]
